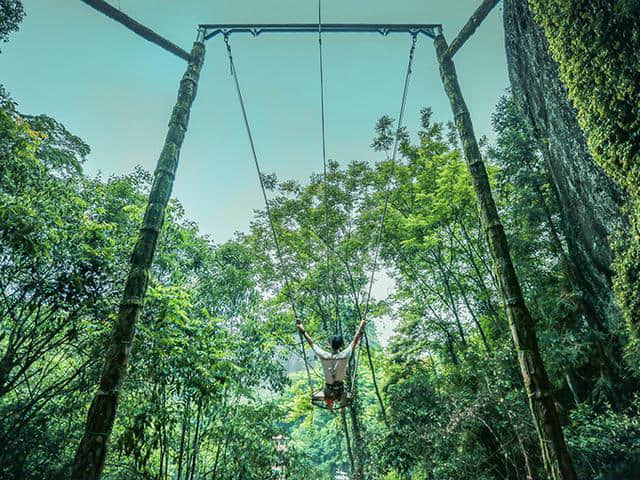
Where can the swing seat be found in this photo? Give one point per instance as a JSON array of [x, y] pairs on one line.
[[317, 399]]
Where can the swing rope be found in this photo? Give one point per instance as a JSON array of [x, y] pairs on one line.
[[362, 316], [396, 143], [330, 280], [283, 270]]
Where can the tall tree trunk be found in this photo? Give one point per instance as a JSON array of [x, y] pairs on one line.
[[376, 388], [191, 471], [554, 449], [589, 200], [165, 437], [214, 470], [92, 450], [161, 469], [347, 440], [224, 452], [358, 441], [523, 451], [186, 421]]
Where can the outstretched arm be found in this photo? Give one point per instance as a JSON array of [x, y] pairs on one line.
[[305, 334], [358, 335]]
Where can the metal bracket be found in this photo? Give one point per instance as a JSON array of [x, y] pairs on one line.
[[384, 29]]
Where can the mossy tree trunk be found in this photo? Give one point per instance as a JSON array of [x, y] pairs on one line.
[[91, 453], [589, 200], [595, 44], [554, 449]]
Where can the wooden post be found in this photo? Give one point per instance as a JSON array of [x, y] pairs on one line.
[[92, 451], [470, 27], [145, 32], [554, 449]]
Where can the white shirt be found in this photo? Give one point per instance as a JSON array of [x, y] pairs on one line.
[[334, 365]]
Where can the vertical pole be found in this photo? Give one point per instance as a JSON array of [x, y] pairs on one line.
[[358, 442], [347, 440], [554, 449], [92, 451]]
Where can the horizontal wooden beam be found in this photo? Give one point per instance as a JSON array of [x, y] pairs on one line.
[[470, 27], [255, 29], [136, 27]]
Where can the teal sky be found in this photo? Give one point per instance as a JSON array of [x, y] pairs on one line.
[[116, 91]]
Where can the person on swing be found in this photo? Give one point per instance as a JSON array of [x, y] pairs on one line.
[[334, 364]]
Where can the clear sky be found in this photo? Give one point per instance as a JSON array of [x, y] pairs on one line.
[[116, 91]]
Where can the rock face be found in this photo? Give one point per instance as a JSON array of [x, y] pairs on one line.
[[589, 200]]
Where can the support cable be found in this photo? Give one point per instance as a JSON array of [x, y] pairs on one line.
[[283, 270]]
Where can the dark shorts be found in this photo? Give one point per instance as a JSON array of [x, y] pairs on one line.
[[335, 391]]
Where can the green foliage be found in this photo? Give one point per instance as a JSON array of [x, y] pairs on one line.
[[532, 217], [207, 395], [52, 290], [596, 45], [456, 405], [607, 443], [328, 264], [11, 14], [201, 346], [626, 282]]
